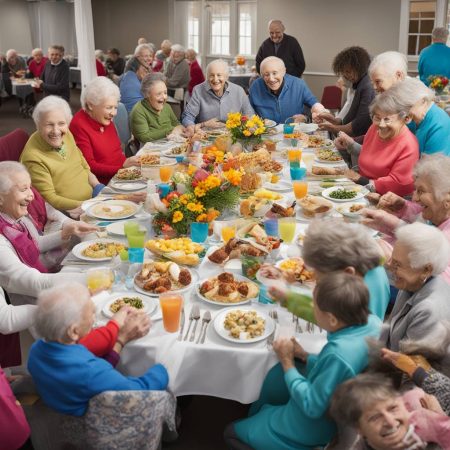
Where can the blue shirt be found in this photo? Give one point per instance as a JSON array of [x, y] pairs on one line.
[[130, 90], [433, 133], [434, 60], [293, 96], [68, 376], [377, 282]]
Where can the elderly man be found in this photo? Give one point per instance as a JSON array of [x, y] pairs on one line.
[[162, 56], [278, 95], [284, 47], [12, 66], [196, 72], [66, 374], [55, 77], [213, 99], [387, 69], [115, 64], [177, 70], [435, 59]]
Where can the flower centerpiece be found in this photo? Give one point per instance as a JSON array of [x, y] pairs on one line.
[[438, 83], [246, 130], [206, 196]]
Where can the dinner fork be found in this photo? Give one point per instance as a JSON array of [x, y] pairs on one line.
[[191, 318], [196, 316], [205, 321]]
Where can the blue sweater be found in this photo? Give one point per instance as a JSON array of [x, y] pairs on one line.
[[68, 376], [377, 282], [434, 60], [433, 133], [294, 95], [291, 411], [130, 90]]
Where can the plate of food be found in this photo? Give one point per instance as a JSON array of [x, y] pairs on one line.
[[279, 186], [120, 299], [180, 250], [295, 271], [98, 250], [322, 171], [227, 289], [269, 123], [344, 193], [176, 150], [128, 186], [328, 156], [157, 277], [306, 127], [313, 207], [351, 210], [128, 174], [113, 209], [243, 325]]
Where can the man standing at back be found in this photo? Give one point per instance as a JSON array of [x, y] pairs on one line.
[[435, 59], [284, 47]]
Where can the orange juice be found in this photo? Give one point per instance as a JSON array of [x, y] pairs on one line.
[[300, 189], [294, 154], [171, 305], [228, 232], [165, 172], [99, 279]]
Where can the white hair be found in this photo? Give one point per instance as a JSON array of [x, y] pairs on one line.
[[426, 245], [149, 80], [11, 52], [8, 168], [436, 169], [271, 59], [138, 50], [51, 103], [408, 92], [391, 62], [166, 43], [439, 34], [99, 54], [36, 50], [59, 308], [276, 22], [178, 48], [97, 90], [386, 103], [218, 62]]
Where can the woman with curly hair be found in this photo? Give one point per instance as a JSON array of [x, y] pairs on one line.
[[352, 64]]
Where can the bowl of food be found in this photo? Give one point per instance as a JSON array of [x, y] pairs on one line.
[[351, 211]]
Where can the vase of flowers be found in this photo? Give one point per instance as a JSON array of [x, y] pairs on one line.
[[245, 130], [438, 83]]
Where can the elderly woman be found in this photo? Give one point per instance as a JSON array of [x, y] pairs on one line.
[[37, 64], [144, 54], [352, 64], [213, 99], [195, 71], [94, 131], [278, 95], [57, 167], [389, 152], [387, 69], [177, 71], [421, 253], [152, 118], [130, 85], [430, 202], [66, 374]]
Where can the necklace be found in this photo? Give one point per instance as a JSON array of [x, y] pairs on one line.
[[62, 152]]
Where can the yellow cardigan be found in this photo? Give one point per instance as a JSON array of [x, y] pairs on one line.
[[62, 182]]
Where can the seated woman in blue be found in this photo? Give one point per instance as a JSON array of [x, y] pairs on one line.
[[429, 123], [291, 413], [278, 95], [67, 375]]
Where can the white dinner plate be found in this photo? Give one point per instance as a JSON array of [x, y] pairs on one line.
[[194, 280], [225, 334], [150, 304], [306, 127], [344, 209], [335, 163], [117, 228], [128, 186], [113, 210], [77, 251], [280, 186], [213, 302], [361, 192], [169, 154], [269, 123]]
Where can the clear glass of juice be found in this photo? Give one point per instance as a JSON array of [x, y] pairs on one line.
[[165, 172], [300, 189], [99, 279], [228, 232], [171, 306], [286, 228]]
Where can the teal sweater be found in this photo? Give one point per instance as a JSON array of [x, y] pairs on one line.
[[434, 60]]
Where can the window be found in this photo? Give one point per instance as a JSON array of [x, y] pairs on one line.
[[421, 24], [220, 28], [247, 34]]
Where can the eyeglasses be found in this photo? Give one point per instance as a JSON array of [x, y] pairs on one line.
[[387, 120]]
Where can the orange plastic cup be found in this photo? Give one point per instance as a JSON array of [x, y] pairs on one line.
[[300, 189], [171, 305], [294, 154]]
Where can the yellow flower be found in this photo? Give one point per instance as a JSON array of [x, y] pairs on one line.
[[233, 120], [247, 133], [212, 214], [199, 191], [191, 170], [177, 216], [202, 218], [184, 199], [195, 207], [233, 176]]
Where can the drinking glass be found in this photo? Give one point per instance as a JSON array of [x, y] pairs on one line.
[[300, 189], [228, 232], [171, 306], [297, 172], [136, 239], [136, 255], [99, 279], [199, 231], [294, 154], [130, 227], [271, 227], [308, 159], [165, 172], [163, 190], [286, 228]]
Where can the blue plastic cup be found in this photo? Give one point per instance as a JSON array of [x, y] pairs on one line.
[[271, 227], [288, 129], [163, 189], [199, 231], [297, 173], [179, 158], [136, 255]]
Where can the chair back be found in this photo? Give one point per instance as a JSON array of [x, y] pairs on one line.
[[12, 145], [122, 124], [331, 97]]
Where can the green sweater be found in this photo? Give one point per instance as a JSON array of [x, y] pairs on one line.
[[62, 182], [149, 125]]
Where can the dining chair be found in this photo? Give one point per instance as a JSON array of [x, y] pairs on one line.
[[12, 144], [332, 97], [122, 123]]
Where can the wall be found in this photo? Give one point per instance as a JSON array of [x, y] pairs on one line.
[[14, 26], [119, 23]]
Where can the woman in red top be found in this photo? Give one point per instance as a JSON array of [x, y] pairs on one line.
[[196, 72], [37, 64], [94, 132]]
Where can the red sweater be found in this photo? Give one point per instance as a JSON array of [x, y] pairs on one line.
[[37, 69], [100, 341], [389, 163], [101, 71], [100, 145], [197, 76]]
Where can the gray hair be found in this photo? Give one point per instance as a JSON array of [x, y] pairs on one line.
[[276, 22], [97, 90], [99, 54], [439, 34], [271, 59], [10, 53], [7, 168], [220, 62], [410, 91], [166, 43], [436, 169], [426, 245], [51, 103], [391, 62], [178, 48], [332, 245], [387, 103], [36, 50], [59, 308], [150, 80], [138, 50]]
